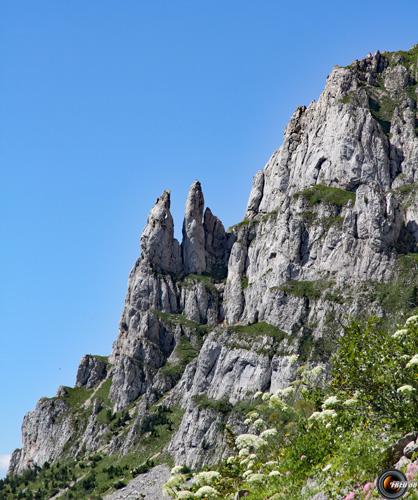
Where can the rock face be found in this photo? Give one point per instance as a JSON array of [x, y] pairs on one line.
[[91, 371], [329, 225]]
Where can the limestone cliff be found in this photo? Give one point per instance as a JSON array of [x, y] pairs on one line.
[[329, 225]]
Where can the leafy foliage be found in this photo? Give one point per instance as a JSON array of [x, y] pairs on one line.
[[327, 194], [258, 329], [309, 289], [339, 433]]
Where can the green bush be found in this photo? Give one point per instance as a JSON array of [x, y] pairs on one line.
[[308, 289], [327, 194], [339, 433], [258, 329]]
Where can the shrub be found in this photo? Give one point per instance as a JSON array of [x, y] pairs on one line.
[[327, 194]]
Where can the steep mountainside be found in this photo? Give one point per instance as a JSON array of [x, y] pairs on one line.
[[330, 231]]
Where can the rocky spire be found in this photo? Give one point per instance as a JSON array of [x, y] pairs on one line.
[[193, 246], [158, 245], [217, 245]]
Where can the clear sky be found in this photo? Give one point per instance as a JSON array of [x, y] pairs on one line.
[[103, 104]]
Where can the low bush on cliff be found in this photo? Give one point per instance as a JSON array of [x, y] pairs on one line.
[[327, 194], [334, 439]]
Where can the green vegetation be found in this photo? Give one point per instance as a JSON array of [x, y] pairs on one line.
[[206, 280], [311, 290], [312, 218], [102, 392], [399, 297], [218, 405], [340, 434], [75, 397], [244, 282], [269, 215], [180, 319], [96, 474], [407, 189], [407, 193], [382, 111], [260, 329], [185, 352], [327, 194], [405, 57], [105, 359], [346, 99], [235, 227]]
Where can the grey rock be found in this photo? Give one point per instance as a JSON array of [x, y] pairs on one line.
[[193, 245], [147, 486], [159, 247], [402, 462], [45, 432], [410, 449], [396, 450], [91, 371], [217, 245]]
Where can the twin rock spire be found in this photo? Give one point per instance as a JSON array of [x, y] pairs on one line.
[[205, 247]]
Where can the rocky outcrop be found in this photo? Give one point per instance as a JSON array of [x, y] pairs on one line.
[[91, 371], [45, 432], [210, 321], [147, 486], [193, 245], [159, 247]]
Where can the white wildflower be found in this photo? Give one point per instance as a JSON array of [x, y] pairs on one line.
[[413, 320], [243, 452], [230, 460], [316, 415], [327, 468], [323, 415], [206, 492], [292, 359], [268, 433], [331, 401], [276, 402], [413, 361], [185, 495], [400, 333], [405, 389], [252, 415], [258, 394], [247, 473], [329, 413], [247, 421], [207, 477], [266, 396], [272, 463], [350, 402], [249, 441], [175, 481], [255, 478], [177, 469], [259, 423], [274, 473], [317, 370], [287, 391]]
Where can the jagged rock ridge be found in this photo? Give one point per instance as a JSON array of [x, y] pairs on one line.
[[329, 225]]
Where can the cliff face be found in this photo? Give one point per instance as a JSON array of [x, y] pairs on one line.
[[328, 228]]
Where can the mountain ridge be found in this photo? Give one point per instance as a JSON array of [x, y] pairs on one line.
[[329, 230]]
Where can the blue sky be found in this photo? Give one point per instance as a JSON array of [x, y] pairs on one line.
[[104, 104]]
